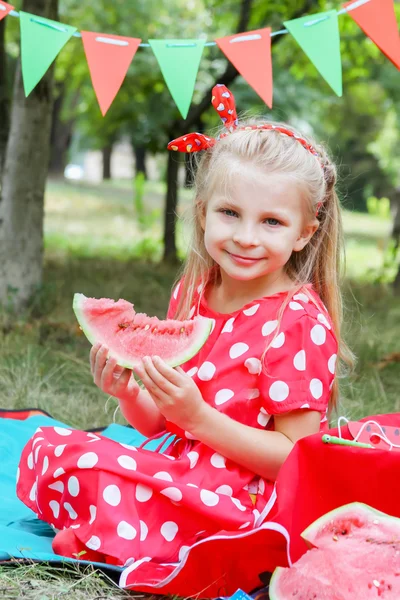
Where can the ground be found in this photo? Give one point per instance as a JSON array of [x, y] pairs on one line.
[[94, 245]]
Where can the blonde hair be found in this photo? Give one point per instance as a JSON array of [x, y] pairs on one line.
[[320, 261]]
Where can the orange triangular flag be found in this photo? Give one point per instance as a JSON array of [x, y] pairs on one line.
[[5, 9], [250, 53], [377, 19], [108, 57]]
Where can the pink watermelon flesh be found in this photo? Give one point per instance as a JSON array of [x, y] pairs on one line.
[[357, 558], [130, 336]]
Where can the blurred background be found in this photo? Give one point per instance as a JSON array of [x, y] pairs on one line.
[[107, 194]]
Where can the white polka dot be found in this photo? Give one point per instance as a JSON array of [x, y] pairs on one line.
[[112, 495], [212, 325], [253, 393], [238, 349], [183, 550], [218, 461], [88, 460], [75, 526], [37, 450], [144, 530], [322, 319], [143, 492], [172, 493], [209, 498], [299, 361], [18, 474], [32, 493], [192, 311], [225, 490], [279, 391], [206, 371], [55, 508], [128, 447], [72, 514], [316, 388], [192, 371], [189, 435], [192, 485], [245, 525], [58, 486], [127, 462], [295, 306], [36, 440], [73, 486], [168, 530], [193, 457], [306, 405], [318, 335], [332, 364], [95, 438], [228, 327], [301, 296], [58, 472], [30, 461], [253, 365], [163, 475], [252, 310], [261, 486], [58, 450], [263, 418], [94, 543], [126, 531], [278, 341], [238, 504], [93, 513], [223, 396], [268, 327], [62, 431], [176, 290]]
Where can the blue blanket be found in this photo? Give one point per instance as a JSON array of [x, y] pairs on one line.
[[22, 534]]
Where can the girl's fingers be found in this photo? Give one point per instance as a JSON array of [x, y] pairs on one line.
[[99, 365], [174, 376], [121, 384], [162, 378], [107, 376], [92, 356]]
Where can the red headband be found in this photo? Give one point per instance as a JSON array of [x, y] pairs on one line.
[[224, 103]]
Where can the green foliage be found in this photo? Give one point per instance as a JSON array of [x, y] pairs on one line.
[[379, 207]]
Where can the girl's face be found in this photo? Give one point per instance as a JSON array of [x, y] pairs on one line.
[[251, 230]]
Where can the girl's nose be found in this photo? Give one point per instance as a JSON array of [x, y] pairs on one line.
[[245, 236]]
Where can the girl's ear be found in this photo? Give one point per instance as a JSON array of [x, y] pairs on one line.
[[306, 235]]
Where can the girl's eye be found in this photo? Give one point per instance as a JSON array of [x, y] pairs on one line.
[[273, 222], [228, 212]]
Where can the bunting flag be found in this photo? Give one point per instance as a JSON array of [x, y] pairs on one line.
[[377, 19], [318, 36], [108, 57], [5, 9], [179, 62], [41, 41], [250, 54]]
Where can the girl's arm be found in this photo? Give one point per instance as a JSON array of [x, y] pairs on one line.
[[142, 414], [260, 451]]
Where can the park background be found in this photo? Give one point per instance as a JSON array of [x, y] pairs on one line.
[[108, 189]]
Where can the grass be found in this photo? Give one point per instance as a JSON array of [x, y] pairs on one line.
[[94, 246]]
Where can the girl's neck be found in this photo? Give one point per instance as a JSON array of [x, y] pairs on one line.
[[228, 295]]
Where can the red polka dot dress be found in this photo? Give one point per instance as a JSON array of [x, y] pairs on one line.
[[132, 504]]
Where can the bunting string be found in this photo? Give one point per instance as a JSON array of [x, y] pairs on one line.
[[109, 56]]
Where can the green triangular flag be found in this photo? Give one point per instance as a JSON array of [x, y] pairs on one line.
[[179, 62], [41, 41], [320, 40]]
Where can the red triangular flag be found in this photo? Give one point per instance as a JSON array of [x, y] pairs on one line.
[[377, 19], [108, 57], [250, 53], [5, 9]]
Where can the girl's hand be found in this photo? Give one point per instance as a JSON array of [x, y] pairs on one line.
[[176, 395], [111, 378]]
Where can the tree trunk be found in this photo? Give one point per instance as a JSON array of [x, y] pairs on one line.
[[140, 160], [196, 111], [170, 254], [24, 179], [107, 152], [395, 206], [61, 135], [4, 97]]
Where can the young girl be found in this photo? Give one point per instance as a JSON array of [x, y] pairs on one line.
[[263, 265]]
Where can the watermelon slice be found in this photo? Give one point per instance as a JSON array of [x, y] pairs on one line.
[[357, 557], [130, 336]]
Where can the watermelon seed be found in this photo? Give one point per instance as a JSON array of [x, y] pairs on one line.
[[335, 538], [123, 325], [147, 327], [376, 522], [376, 583]]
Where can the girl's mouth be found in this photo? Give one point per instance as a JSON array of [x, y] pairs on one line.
[[243, 260]]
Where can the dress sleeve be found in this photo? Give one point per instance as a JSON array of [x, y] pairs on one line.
[[299, 367], [173, 303]]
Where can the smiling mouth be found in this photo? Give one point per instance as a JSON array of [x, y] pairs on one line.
[[244, 258]]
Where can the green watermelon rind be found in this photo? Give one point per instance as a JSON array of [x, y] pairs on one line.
[[360, 507], [200, 336], [340, 512]]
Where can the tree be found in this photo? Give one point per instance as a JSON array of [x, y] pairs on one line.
[[4, 99], [24, 178]]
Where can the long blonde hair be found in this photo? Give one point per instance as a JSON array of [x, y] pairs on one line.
[[271, 152]]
